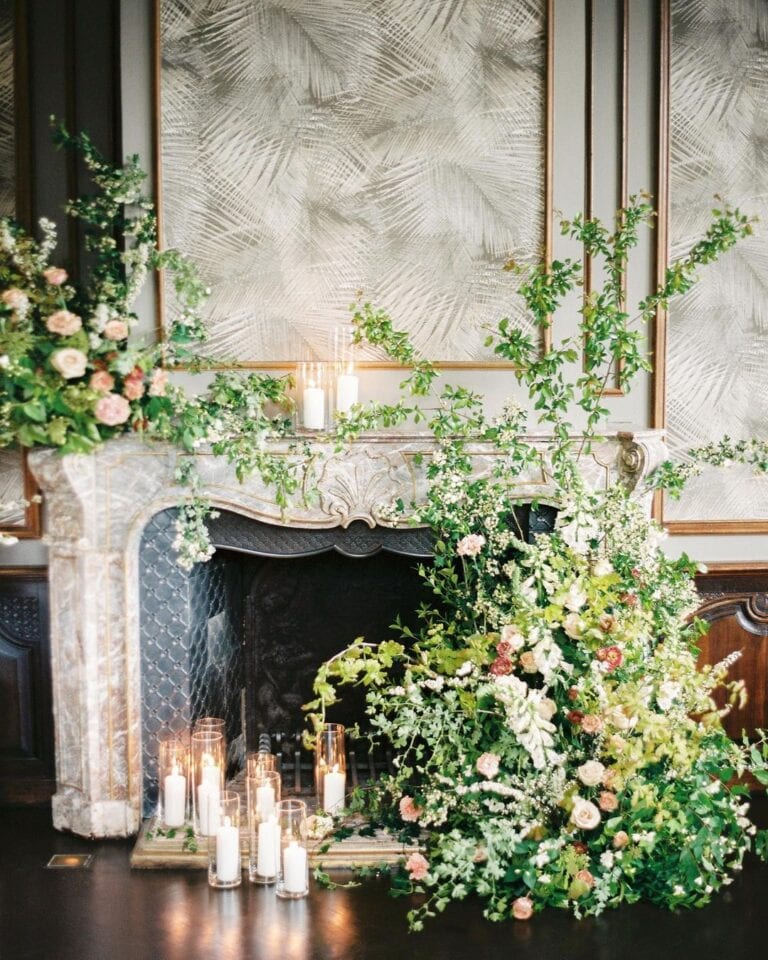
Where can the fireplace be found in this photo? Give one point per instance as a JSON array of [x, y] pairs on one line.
[[121, 659]]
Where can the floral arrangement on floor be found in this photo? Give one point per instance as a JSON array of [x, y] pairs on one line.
[[555, 742]]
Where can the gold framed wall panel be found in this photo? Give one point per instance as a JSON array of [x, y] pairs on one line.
[[16, 482], [428, 141], [711, 349]]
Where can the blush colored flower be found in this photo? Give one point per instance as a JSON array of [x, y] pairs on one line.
[[611, 656], [609, 777], [112, 410], [546, 708], [115, 330], [158, 383], [70, 363], [522, 908], [55, 275], [607, 623], [133, 387], [607, 801], [591, 723], [101, 381], [586, 877], [488, 765], [585, 814], [64, 323], [417, 866], [629, 599], [500, 667], [471, 545], [15, 299], [528, 661], [513, 635], [408, 810], [573, 694], [480, 855], [573, 626], [590, 773], [620, 840]]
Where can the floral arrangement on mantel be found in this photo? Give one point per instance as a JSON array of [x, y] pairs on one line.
[[556, 743], [554, 736]]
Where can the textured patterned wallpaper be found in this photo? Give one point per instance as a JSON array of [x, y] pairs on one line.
[[717, 363], [311, 148]]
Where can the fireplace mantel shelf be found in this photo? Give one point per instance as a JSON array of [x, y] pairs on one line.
[[97, 507]]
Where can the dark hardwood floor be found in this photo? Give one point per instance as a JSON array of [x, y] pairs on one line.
[[109, 912]]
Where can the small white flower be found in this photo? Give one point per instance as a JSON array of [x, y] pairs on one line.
[[603, 567], [5, 361], [575, 598], [607, 858]]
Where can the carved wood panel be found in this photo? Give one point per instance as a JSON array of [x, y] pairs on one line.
[[26, 721], [735, 602]]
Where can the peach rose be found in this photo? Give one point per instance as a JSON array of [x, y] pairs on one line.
[[585, 814], [591, 723], [488, 765], [528, 661], [133, 388], [15, 299], [620, 840], [64, 323], [101, 381], [607, 801], [586, 877], [158, 383], [70, 363], [471, 545], [112, 410], [417, 866], [116, 330], [408, 810], [607, 623], [55, 275], [522, 908]]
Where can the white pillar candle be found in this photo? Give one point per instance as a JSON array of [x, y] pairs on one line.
[[208, 808], [334, 788], [227, 852], [265, 801], [347, 386], [211, 772], [269, 848], [313, 413], [294, 868], [174, 798]]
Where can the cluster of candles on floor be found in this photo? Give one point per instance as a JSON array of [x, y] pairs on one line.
[[192, 783], [325, 387]]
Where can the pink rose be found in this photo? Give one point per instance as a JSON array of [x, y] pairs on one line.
[[501, 667], [158, 383], [55, 275], [488, 765], [116, 330], [612, 656], [417, 866], [15, 299], [607, 801], [470, 545], [64, 323], [591, 724], [101, 381], [133, 388], [522, 908], [620, 840], [408, 810], [70, 363], [112, 410]]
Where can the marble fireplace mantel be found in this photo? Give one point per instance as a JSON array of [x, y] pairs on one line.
[[97, 507]]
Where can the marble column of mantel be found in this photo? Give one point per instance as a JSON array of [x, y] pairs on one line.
[[96, 509]]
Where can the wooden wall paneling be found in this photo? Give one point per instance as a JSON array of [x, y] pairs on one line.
[[26, 718], [735, 603]]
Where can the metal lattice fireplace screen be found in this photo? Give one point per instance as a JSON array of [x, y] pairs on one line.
[[242, 636]]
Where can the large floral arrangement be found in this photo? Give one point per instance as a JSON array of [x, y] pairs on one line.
[[556, 743]]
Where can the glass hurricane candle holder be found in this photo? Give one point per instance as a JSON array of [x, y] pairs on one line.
[[173, 781], [331, 768], [293, 878], [224, 869], [258, 762], [263, 791], [216, 724], [346, 387], [207, 778], [312, 385]]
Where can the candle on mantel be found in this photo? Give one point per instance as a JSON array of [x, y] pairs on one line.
[[313, 409], [265, 801], [334, 788], [269, 848], [175, 795], [208, 794], [227, 852], [347, 389], [294, 868]]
